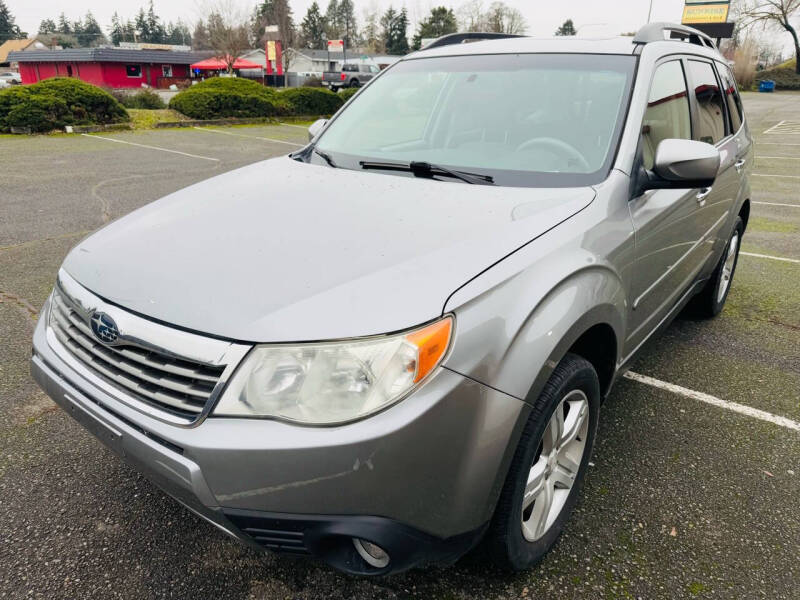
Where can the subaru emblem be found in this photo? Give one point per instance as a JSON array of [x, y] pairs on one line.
[[104, 328]]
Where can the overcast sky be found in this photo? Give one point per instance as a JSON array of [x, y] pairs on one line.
[[543, 16]]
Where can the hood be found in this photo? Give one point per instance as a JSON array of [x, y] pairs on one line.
[[286, 251]]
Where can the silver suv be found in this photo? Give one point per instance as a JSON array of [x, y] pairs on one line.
[[395, 343]]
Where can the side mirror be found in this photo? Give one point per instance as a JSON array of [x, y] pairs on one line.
[[683, 164], [315, 128]]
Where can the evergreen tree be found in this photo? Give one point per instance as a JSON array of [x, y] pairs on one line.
[[397, 42], [140, 25], [312, 29], [47, 26], [8, 27], [91, 34], [333, 23], [440, 22], [63, 24], [347, 22], [155, 28], [117, 30], [568, 28], [178, 34], [200, 37]]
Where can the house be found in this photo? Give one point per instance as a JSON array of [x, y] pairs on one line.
[[18, 46], [108, 67], [305, 60]]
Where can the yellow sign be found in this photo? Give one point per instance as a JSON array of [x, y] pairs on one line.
[[271, 54], [705, 13]]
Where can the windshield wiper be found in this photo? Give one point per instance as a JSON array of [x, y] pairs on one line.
[[426, 169], [325, 156]]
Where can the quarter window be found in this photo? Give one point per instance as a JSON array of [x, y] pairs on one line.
[[710, 108], [667, 115], [732, 98]]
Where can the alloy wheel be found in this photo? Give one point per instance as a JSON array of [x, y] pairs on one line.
[[555, 466], [727, 267]]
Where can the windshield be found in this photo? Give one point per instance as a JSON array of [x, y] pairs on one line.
[[523, 119]]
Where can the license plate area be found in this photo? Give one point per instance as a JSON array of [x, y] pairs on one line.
[[106, 434]]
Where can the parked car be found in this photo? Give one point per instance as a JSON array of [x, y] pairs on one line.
[[11, 77], [351, 75], [402, 350]]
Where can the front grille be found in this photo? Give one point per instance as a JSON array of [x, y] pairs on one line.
[[178, 386]]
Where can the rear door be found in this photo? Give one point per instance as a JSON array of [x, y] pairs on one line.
[[666, 224], [713, 126]]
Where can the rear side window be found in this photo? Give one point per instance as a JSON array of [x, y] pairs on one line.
[[710, 127], [350, 68], [732, 97], [667, 115]]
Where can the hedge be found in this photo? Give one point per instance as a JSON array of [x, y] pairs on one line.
[[223, 97], [145, 98], [54, 103], [348, 93], [311, 101]]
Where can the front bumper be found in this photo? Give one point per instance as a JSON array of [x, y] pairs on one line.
[[419, 479]]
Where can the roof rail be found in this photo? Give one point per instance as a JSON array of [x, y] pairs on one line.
[[462, 38], [654, 32]]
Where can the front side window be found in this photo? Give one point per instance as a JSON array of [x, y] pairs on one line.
[[523, 119], [710, 108], [133, 70], [374, 69], [732, 98], [667, 115]]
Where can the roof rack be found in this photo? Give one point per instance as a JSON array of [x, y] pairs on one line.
[[654, 32], [462, 38]]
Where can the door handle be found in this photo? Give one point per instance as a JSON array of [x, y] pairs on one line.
[[703, 194], [740, 165]]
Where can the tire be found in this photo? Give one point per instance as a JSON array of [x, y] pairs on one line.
[[517, 539], [354, 83], [709, 302]]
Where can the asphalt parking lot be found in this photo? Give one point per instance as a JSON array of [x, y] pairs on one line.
[[688, 496]]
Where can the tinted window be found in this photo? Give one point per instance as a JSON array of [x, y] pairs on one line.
[[667, 115], [350, 68], [524, 119], [710, 126], [732, 97]]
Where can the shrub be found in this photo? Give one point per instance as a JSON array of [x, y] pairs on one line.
[[146, 98], [311, 101], [54, 103], [218, 98], [347, 93], [312, 82]]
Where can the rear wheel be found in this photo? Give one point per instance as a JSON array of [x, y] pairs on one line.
[[710, 301], [354, 83], [548, 467]]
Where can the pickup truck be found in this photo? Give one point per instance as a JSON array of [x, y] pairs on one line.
[[351, 75]]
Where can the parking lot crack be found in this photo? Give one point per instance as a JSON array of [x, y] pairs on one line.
[[23, 306]]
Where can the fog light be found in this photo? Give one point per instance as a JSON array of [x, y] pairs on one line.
[[373, 554]]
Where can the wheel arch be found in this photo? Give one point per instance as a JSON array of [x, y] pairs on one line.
[[744, 212]]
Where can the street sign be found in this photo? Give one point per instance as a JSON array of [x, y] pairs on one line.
[[696, 11], [335, 45]]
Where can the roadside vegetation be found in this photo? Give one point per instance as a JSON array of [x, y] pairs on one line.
[[145, 98], [55, 103], [220, 98], [784, 75]]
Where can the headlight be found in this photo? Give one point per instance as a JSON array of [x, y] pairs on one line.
[[333, 382]]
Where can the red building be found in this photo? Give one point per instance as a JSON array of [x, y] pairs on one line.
[[108, 67]]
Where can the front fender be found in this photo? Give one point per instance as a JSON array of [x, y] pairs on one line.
[[516, 353]]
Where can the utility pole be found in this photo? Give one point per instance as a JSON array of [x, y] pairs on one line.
[[650, 12]]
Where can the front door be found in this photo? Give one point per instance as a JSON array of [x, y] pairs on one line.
[[668, 234]]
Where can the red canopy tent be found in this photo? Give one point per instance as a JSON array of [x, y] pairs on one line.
[[217, 64]]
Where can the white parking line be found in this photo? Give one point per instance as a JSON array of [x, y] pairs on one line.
[[251, 137], [776, 144], [714, 401], [779, 157], [775, 126], [778, 204], [791, 260], [99, 137], [293, 125], [782, 176]]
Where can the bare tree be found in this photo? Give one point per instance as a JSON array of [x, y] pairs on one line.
[[228, 31], [498, 18], [773, 14]]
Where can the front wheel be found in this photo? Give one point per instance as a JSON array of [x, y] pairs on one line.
[[548, 467]]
